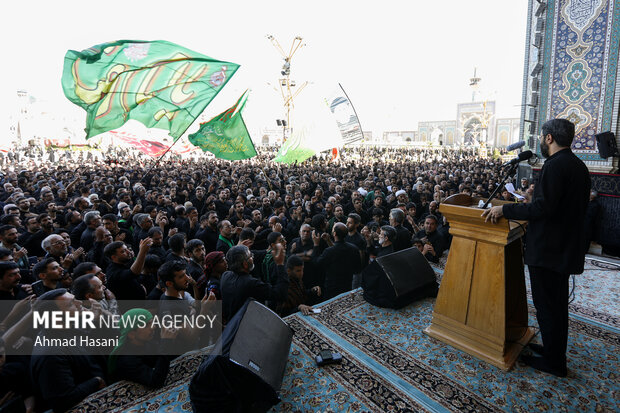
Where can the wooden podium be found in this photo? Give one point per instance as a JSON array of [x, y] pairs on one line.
[[481, 307]]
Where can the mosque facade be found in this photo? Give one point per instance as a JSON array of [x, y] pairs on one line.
[[571, 72]]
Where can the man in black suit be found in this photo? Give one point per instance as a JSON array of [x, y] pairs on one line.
[[237, 284], [338, 262], [554, 239], [403, 236]]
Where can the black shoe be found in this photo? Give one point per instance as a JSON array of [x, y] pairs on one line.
[[539, 363], [536, 348]]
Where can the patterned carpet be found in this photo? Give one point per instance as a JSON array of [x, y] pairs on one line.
[[391, 365]]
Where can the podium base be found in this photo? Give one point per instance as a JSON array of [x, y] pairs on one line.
[[502, 356]]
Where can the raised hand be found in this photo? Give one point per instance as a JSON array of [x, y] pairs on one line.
[[278, 254]]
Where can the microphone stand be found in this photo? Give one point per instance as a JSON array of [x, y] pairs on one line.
[[511, 170]]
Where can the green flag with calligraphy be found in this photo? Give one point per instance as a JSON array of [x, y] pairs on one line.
[[158, 83], [226, 135]]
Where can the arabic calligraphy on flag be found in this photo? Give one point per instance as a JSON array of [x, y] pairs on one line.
[[226, 135], [158, 83]]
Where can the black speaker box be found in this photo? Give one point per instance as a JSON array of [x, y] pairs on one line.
[[606, 143], [245, 370], [398, 279]]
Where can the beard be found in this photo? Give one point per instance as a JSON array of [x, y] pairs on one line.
[[544, 149], [180, 287]]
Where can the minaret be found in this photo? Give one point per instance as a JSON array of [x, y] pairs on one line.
[[473, 82]]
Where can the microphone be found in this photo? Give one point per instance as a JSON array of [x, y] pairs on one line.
[[523, 156], [515, 145]]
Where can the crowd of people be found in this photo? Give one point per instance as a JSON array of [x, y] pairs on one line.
[[101, 232]]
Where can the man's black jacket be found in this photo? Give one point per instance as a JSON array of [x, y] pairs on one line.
[[237, 288], [555, 233]]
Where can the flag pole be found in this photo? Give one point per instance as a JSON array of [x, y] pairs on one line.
[[163, 154]]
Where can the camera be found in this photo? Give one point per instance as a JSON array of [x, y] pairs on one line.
[[326, 357]]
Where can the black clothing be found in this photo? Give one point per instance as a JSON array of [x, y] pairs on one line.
[[555, 241], [222, 208], [292, 229], [33, 245], [87, 239], [555, 233], [64, 380], [17, 294], [148, 370], [97, 256], [155, 294], [403, 238], [159, 251], [235, 221], [338, 263], [124, 283], [195, 270], [198, 203], [590, 221], [15, 377], [209, 237], [223, 245], [297, 294], [171, 256], [76, 234], [312, 273], [23, 238], [138, 235], [237, 288], [38, 288], [356, 239], [382, 251], [128, 235], [550, 295], [438, 242], [181, 223], [149, 281], [188, 230]]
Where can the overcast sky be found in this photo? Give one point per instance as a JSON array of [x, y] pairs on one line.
[[400, 62]]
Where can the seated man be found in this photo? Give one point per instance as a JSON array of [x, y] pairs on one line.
[[136, 358], [423, 247], [64, 376], [387, 237], [430, 236], [298, 296]]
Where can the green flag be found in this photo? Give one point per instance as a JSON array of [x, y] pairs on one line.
[[157, 83], [295, 149], [225, 135]]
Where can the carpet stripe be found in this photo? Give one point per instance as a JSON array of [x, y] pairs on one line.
[[379, 369]]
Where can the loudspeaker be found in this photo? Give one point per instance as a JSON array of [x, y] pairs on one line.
[[398, 279], [606, 143], [245, 370]]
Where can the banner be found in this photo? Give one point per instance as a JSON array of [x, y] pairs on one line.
[[226, 135], [346, 118], [158, 83], [313, 130]]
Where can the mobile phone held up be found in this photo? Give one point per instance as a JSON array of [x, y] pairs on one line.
[[326, 357]]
